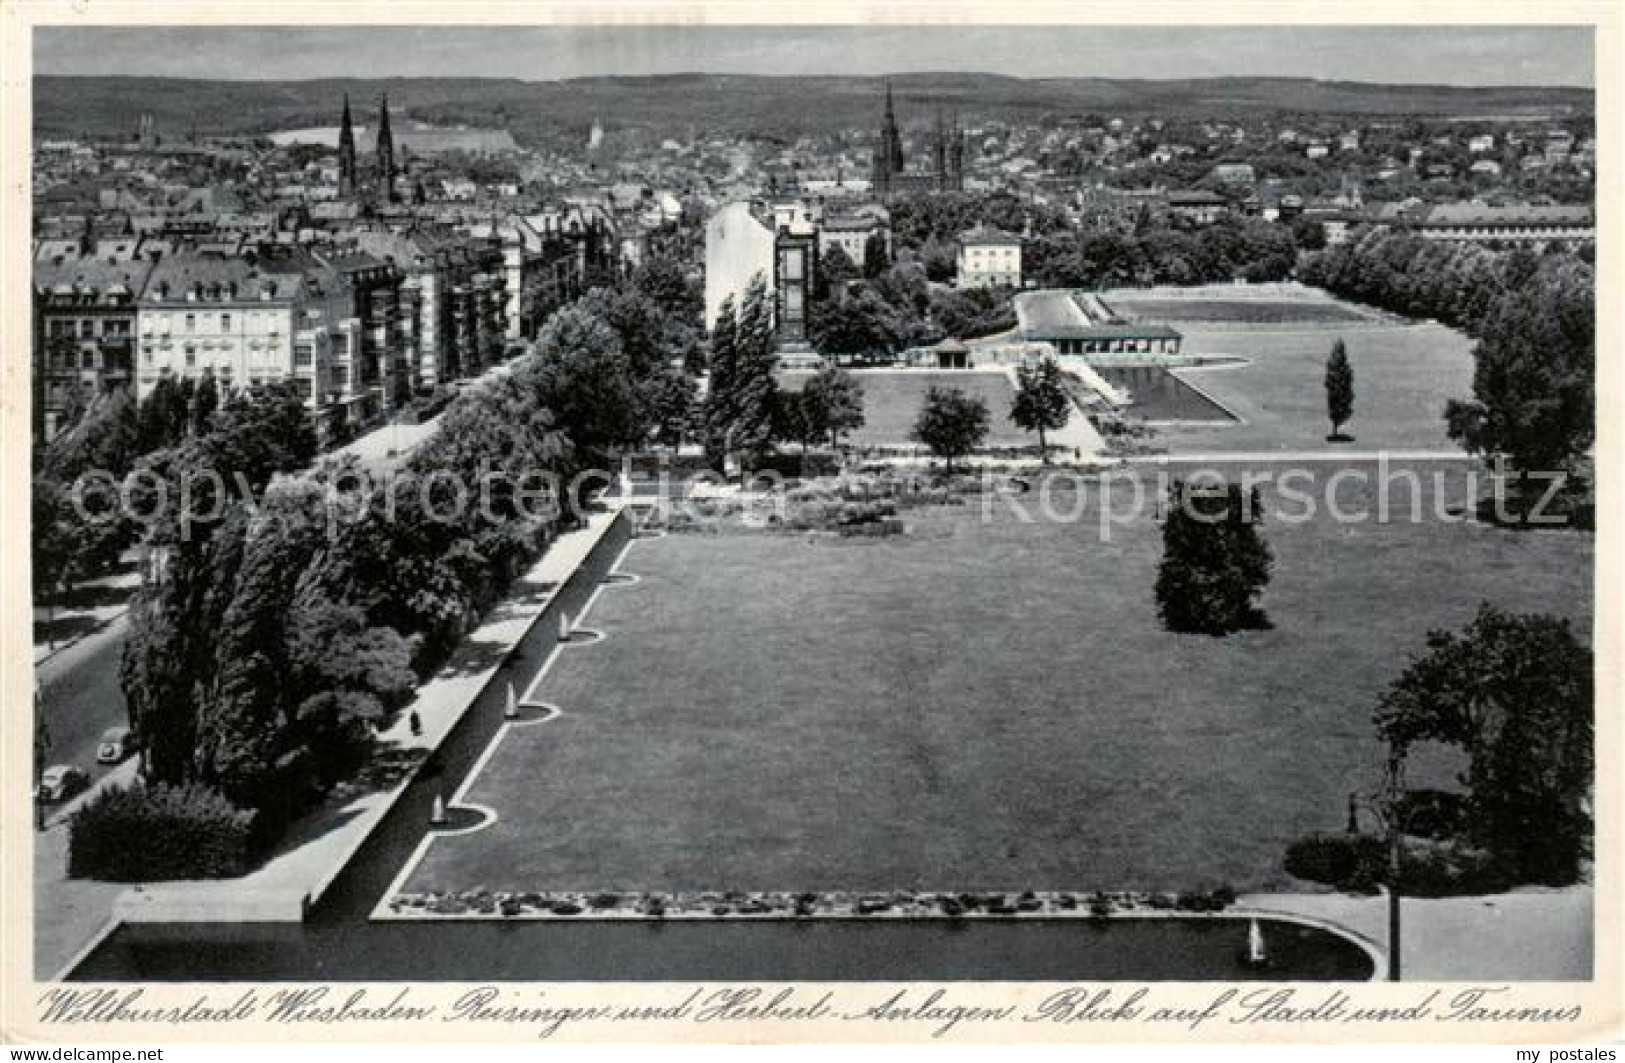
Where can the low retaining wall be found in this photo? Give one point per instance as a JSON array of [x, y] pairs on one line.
[[363, 878], [361, 839]]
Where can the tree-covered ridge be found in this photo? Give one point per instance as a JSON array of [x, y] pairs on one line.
[[535, 111]]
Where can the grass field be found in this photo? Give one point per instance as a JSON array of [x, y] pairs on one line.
[[1402, 379], [892, 401], [987, 704], [1239, 311]]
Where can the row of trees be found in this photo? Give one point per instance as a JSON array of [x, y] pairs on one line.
[[1055, 253], [274, 636], [114, 436], [1454, 282], [1162, 254], [1534, 394]]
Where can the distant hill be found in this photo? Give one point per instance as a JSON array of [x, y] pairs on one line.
[[538, 111]]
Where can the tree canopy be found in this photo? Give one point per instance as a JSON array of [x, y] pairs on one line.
[[1515, 692], [951, 423], [1041, 404], [1215, 563]]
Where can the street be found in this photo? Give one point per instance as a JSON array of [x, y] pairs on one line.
[[80, 697]]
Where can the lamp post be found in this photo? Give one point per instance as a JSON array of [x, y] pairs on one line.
[[1384, 805]]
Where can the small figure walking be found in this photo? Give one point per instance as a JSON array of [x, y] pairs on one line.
[[415, 722]]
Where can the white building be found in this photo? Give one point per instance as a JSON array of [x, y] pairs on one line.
[[220, 316], [739, 245], [989, 259]]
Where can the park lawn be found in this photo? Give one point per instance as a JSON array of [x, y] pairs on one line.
[[892, 401], [1402, 379], [1248, 311], [984, 704]]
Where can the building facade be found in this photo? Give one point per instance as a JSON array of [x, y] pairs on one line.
[[219, 316], [1522, 224], [989, 259], [84, 335]]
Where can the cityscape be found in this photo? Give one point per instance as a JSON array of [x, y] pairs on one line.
[[820, 524]]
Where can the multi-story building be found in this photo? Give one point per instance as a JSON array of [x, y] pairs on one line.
[[1197, 206], [459, 286], [856, 234], [779, 244], [84, 334], [1520, 223], [224, 316], [989, 259], [357, 309]]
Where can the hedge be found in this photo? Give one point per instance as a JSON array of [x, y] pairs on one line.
[[1358, 863], [144, 833], [1353, 862]]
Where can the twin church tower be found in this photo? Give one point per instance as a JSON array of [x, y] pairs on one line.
[[382, 183], [943, 172]]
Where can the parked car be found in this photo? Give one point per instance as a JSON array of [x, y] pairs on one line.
[[116, 744], [60, 782]]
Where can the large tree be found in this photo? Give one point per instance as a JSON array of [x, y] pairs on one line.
[[1514, 691], [583, 377], [951, 423], [664, 280], [1041, 404], [859, 323], [106, 437], [834, 403], [1339, 389], [1534, 398], [747, 393], [723, 361], [1215, 562]]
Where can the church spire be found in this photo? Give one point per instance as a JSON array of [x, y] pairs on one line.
[[346, 151], [386, 153]]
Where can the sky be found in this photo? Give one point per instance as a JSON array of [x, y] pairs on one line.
[[1454, 55]]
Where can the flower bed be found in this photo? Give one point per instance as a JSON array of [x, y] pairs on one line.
[[481, 903]]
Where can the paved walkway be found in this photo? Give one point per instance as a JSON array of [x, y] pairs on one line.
[[1529, 934], [1333, 457], [87, 619], [1078, 437], [1048, 311]]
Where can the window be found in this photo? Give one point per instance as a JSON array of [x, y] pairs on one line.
[[792, 264], [87, 328], [225, 322], [191, 322]]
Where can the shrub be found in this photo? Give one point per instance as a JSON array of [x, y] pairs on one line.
[[1352, 862], [1451, 869], [144, 833], [1436, 814]]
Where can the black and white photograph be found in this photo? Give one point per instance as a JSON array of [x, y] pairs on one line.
[[679, 500]]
